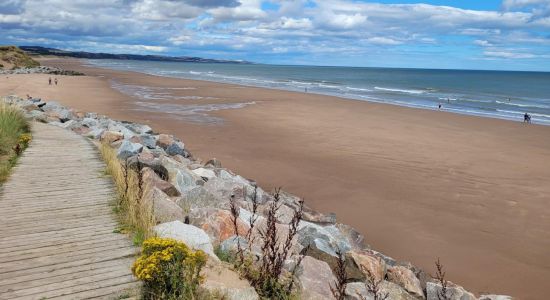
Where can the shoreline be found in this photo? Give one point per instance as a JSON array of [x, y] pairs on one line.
[[362, 98], [317, 146]]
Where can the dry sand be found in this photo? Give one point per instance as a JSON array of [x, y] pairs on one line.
[[418, 184]]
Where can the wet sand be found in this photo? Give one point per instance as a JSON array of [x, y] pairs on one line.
[[418, 184]]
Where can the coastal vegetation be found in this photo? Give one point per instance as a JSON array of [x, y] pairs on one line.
[[11, 57], [169, 270], [277, 247], [265, 273], [14, 137], [135, 216]]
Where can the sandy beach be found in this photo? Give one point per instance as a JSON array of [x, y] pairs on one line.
[[419, 184]]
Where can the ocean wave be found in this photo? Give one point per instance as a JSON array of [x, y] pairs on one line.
[[522, 105], [357, 89], [521, 113], [415, 92], [328, 86]]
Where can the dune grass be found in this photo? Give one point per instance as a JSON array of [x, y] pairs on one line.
[[14, 137], [135, 216], [15, 58]]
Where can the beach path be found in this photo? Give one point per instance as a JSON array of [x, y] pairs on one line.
[[57, 237]]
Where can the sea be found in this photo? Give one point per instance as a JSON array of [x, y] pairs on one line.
[[495, 94]]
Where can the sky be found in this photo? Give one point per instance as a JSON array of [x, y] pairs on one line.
[[449, 34]]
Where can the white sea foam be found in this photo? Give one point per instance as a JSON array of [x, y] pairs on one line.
[[328, 86], [416, 92], [523, 105], [357, 89]]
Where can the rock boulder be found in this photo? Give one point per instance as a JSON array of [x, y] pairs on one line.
[[192, 236]]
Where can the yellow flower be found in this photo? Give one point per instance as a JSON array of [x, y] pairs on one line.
[[25, 139]]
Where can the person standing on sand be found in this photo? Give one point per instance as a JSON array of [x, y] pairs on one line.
[[50, 81], [55, 81]]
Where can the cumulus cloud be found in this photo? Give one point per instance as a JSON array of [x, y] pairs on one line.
[[508, 54], [278, 27], [511, 4], [483, 43], [380, 40], [11, 7], [246, 11], [159, 10]]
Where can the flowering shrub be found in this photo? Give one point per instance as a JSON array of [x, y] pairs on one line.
[[169, 269], [25, 139]]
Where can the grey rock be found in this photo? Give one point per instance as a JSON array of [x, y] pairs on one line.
[[231, 244], [454, 292], [494, 297], [354, 238], [70, 124], [138, 128], [358, 291], [128, 134], [314, 278], [213, 163], [204, 173], [89, 122], [192, 236], [405, 278], [164, 209], [37, 115], [128, 149], [184, 180], [309, 214], [179, 175], [176, 148], [96, 133], [148, 141], [153, 179], [137, 163], [221, 280], [198, 197], [326, 238], [51, 106]]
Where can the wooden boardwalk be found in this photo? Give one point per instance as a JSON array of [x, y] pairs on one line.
[[56, 225]]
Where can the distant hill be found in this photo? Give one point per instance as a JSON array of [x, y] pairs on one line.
[[11, 57], [37, 50]]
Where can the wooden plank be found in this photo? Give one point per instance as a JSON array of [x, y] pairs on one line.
[[109, 293], [88, 270], [57, 224], [54, 259], [75, 238], [107, 256], [75, 286], [54, 276]]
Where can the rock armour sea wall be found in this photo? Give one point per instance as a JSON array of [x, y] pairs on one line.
[[186, 190], [41, 70]]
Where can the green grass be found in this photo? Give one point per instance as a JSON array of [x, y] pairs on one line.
[[13, 126], [223, 255], [135, 216]]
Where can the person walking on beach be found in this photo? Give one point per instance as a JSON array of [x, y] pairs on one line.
[[50, 81], [55, 81]]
